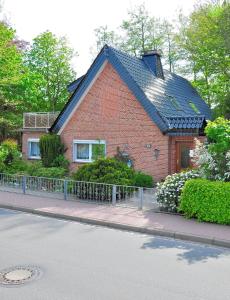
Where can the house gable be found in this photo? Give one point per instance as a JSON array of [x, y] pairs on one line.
[[168, 100], [106, 54], [110, 112]]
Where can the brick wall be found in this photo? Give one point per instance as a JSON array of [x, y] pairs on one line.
[[111, 112], [29, 135]]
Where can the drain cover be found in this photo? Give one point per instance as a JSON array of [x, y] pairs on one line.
[[19, 275]]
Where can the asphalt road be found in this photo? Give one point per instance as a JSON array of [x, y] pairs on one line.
[[88, 262]]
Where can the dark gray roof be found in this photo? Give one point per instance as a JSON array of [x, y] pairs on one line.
[[171, 102], [73, 85], [161, 92], [185, 122]]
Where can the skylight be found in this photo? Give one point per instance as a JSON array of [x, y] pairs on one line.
[[174, 102], [194, 107]]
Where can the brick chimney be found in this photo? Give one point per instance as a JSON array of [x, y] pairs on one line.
[[152, 59]]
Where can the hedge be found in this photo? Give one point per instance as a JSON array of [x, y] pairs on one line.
[[206, 200]]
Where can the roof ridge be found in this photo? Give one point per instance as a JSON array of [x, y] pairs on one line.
[[124, 53]]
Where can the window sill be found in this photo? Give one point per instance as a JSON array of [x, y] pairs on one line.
[[82, 161], [34, 157]]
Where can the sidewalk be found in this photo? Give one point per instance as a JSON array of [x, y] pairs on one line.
[[148, 222]]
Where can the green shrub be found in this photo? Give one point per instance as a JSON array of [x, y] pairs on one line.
[[33, 167], [143, 180], [37, 169], [18, 166], [61, 161], [22, 167], [105, 170], [206, 200], [52, 172], [50, 148], [169, 191], [8, 151], [110, 171]]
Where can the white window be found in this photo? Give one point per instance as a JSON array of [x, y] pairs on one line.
[[87, 150], [33, 149]]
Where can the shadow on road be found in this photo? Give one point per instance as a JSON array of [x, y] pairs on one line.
[[190, 252]]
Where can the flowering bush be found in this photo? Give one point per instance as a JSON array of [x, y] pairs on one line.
[[213, 158], [212, 166], [169, 191]]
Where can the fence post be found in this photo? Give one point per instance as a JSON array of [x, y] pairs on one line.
[[24, 184], [140, 202], [65, 189], [114, 195]]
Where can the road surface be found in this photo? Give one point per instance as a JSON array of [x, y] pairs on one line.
[[81, 261]]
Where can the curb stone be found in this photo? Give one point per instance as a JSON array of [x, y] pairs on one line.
[[145, 230]]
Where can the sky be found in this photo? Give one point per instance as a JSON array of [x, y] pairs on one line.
[[77, 19]]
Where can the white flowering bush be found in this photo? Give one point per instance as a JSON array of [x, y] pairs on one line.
[[213, 157], [168, 192], [212, 165]]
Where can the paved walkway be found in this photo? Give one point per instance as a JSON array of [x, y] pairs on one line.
[[119, 217]]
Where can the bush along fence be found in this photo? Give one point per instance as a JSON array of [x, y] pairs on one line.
[[80, 190]]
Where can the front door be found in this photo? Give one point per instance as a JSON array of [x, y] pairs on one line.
[[183, 160]]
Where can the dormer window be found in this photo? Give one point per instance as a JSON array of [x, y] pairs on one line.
[[194, 107]]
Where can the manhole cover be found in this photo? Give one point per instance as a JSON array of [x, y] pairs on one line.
[[19, 275]]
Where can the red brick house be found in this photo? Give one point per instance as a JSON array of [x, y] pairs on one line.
[[152, 115]]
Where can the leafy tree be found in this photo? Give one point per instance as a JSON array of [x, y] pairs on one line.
[[170, 48], [205, 40], [105, 36], [142, 32], [49, 70], [139, 33], [11, 73]]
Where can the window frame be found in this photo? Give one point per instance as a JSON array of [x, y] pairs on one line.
[[194, 107], [175, 103], [90, 143], [29, 141]]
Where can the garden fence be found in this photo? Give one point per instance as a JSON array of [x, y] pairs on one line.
[[132, 196]]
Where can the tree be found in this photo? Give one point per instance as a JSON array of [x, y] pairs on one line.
[[205, 39], [11, 72], [105, 36], [169, 47], [141, 32], [49, 70]]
